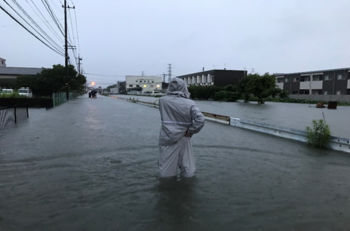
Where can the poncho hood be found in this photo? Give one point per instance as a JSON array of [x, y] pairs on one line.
[[178, 87]]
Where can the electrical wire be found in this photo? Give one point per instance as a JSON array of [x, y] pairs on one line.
[[29, 31], [53, 16], [31, 19], [57, 49], [45, 20]]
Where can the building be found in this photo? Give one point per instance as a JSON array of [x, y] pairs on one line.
[[8, 75], [143, 83], [323, 82], [214, 77]]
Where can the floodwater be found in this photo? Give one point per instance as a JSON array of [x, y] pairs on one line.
[[90, 164], [291, 115]]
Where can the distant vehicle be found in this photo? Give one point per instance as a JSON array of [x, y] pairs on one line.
[[6, 91], [26, 91]]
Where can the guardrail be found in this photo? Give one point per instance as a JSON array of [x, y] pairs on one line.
[[217, 118], [336, 143]]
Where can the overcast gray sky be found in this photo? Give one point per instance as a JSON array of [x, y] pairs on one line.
[[128, 37]]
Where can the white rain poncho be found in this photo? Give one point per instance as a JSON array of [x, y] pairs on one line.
[[179, 116]]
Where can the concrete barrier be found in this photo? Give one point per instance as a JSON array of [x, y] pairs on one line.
[[336, 143]]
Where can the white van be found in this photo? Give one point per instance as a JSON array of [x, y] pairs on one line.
[[25, 91], [6, 91]]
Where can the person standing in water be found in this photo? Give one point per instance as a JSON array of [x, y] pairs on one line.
[[181, 119]]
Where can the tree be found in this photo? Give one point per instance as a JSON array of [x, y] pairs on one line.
[[53, 79], [260, 85], [242, 88], [111, 86]]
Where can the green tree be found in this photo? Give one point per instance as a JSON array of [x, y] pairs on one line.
[[260, 85], [242, 88], [111, 86], [51, 80]]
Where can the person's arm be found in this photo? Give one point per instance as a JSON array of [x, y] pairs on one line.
[[198, 121]]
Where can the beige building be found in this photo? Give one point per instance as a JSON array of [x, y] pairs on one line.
[[143, 83]]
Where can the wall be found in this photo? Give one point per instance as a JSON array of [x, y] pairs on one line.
[[340, 98]]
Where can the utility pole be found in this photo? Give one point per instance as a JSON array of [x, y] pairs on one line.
[[164, 77], [79, 70], [66, 46], [169, 73]]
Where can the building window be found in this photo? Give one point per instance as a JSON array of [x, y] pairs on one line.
[[317, 78], [316, 92], [304, 92], [340, 76], [304, 79], [338, 92], [295, 92], [279, 80], [152, 81], [130, 85], [325, 92], [137, 85], [328, 77], [151, 85], [296, 79], [286, 80], [136, 81]]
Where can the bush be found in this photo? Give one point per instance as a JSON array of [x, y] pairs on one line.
[[319, 135], [12, 95], [226, 96]]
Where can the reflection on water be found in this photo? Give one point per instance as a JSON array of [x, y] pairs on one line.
[[175, 208], [292, 115], [55, 176]]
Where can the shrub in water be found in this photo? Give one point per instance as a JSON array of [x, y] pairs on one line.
[[319, 134]]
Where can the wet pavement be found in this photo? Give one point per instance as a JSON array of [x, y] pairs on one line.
[[90, 164]]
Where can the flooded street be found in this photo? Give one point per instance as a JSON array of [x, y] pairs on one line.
[[91, 164], [291, 115]]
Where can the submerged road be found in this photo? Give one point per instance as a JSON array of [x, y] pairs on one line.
[[90, 164]]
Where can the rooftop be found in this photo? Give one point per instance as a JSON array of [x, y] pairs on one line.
[[19, 70], [311, 72]]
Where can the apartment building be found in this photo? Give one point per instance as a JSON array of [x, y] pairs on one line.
[[214, 77], [322, 82]]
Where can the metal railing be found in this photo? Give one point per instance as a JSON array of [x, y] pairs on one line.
[[61, 97], [13, 114], [336, 143]]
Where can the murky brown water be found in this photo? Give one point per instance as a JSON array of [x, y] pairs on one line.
[[90, 164]]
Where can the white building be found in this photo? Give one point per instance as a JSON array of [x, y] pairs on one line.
[[143, 83], [2, 62]]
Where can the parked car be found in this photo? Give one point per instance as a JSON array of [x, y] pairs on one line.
[[6, 91], [25, 91]]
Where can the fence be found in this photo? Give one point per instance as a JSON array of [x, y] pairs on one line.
[[13, 114], [61, 97]]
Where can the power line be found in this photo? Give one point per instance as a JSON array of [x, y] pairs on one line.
[[57, 49], [53, 16], [30, 18], [44, 20], [29, 31], [105, 75], [76, 27]]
